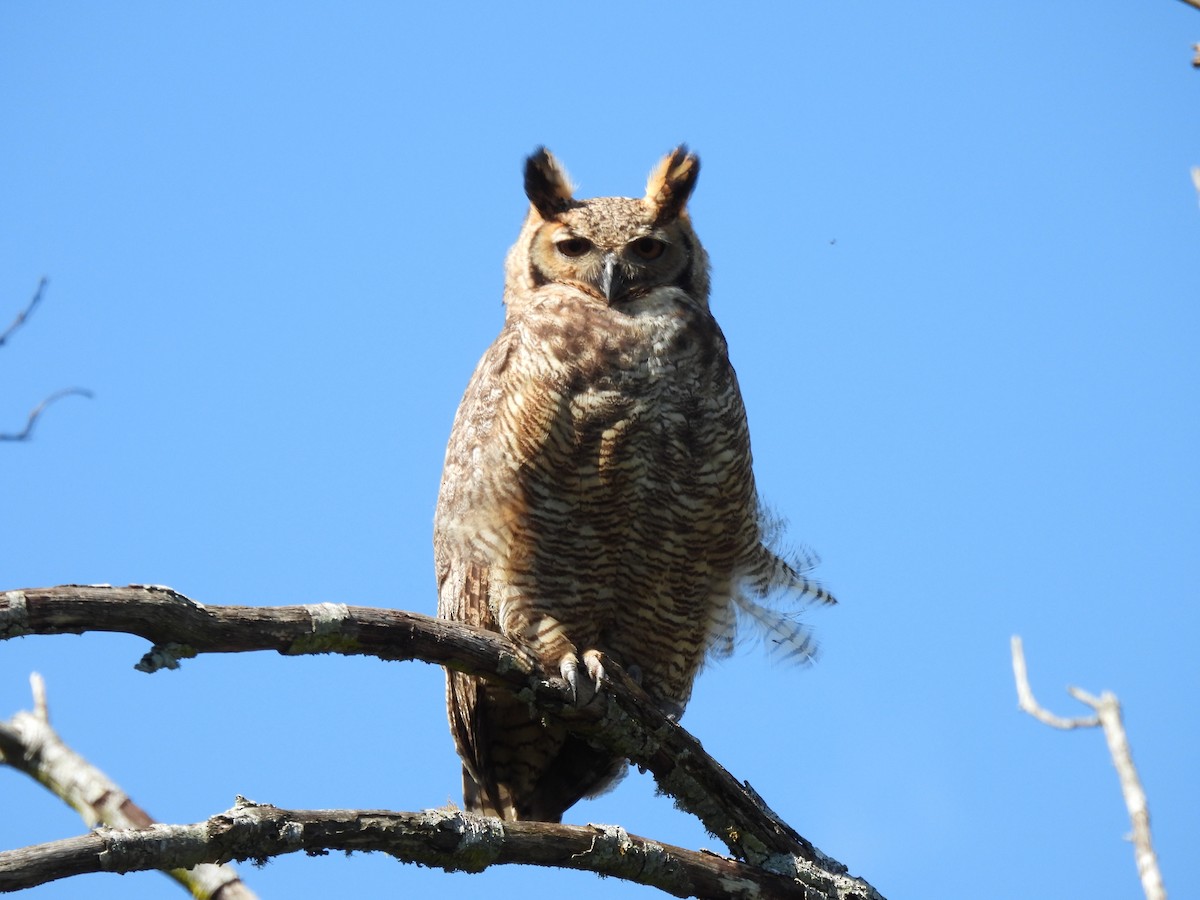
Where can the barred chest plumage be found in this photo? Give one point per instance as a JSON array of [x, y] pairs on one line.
[[639, 503]]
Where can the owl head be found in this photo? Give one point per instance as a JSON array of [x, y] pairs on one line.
[[611, 250]]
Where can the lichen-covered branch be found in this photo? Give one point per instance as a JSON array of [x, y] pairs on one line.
[[446, 838], [29, 744], [622, 718], [1108, 716]]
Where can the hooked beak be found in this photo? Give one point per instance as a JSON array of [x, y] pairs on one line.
[[611, 283]]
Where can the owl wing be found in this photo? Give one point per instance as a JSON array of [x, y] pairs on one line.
[[514, 766], [462, 572], [504, 419]]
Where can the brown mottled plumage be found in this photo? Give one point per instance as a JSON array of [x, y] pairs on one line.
[[597, 492]]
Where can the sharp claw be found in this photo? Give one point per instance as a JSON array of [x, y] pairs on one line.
[[595, 667], [673, 711], [569, 669], [583, 689]]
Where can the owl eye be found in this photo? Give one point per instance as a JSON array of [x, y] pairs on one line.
[[648, 248], [573, 247]]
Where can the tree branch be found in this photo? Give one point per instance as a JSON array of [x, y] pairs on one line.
[[1108, 716], [29, 744], [443, 838], [622, 719]]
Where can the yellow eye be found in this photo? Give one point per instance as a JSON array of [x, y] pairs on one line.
[[648, 248], [573, 247]]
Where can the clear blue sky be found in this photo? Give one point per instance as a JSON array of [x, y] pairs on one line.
[[956, 253]]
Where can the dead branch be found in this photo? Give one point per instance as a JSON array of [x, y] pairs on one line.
[[22, 317], [24, 433], [1108, 716], [1026, 701], [25, 313], [445, 838], [29, 744], [622, 719]]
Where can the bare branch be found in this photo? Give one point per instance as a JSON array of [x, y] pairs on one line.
[[22, 316], [622, 718], [1108, 711], [444, 838], [1108, 716], [24, 433], [29, 744], [1030, 705], [25, 313]]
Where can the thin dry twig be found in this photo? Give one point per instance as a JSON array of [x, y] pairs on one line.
[[1027, 702], [25, 313], [24, 433], [1108, 716], [29, 744]]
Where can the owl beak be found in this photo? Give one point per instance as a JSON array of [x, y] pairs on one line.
[[612, 285]]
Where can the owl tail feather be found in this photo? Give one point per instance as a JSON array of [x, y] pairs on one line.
[[785, 636], [773, 582]]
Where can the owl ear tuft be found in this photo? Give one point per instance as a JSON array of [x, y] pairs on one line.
[[671, 183], [546, 184]]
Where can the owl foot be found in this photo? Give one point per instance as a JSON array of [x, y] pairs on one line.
[[670, 709], [583, 688]]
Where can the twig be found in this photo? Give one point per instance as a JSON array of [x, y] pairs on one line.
[[1108, 716], [25, 313], [29, 744], [623, 719], [22, 316], [1030, 705], [24, 433]]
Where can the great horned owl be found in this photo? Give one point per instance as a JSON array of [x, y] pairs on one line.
[[597, 492]]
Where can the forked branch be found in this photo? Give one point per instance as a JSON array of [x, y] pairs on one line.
[[29, 744], [1107, 716]]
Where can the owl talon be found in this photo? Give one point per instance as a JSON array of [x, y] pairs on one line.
[[582, 690], [595, 666], [673, 711]]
